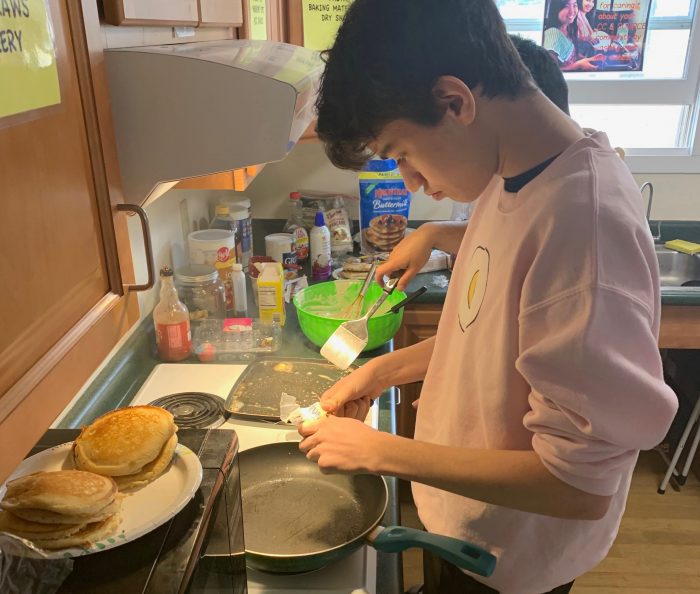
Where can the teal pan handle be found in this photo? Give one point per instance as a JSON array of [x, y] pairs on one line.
[[394, 539]]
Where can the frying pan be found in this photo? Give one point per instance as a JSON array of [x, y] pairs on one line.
[[297, 519]]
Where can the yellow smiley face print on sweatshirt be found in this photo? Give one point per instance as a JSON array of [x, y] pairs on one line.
[[474, 287]]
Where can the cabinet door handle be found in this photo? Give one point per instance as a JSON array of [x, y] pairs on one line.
[[148, 246], [398, 395]]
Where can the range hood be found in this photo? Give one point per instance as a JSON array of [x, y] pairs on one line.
[[200, 108]]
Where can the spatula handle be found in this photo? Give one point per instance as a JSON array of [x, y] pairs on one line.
[[387, 290]]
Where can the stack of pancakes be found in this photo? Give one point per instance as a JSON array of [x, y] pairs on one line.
[[386, 231], [132, 445], [61, 509], [358, 267]]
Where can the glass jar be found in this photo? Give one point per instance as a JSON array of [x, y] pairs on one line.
[[201, 289]]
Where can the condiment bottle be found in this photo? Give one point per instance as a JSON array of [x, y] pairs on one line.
[[240, 299], [270, 293], [320, 249], [172, 321], [295, 226]]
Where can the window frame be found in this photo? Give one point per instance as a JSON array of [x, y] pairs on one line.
[[684, 91]]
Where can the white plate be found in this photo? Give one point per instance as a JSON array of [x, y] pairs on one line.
[[141, 511]]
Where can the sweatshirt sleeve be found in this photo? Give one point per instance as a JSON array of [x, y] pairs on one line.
[[597, 390]]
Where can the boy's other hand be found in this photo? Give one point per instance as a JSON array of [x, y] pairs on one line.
[[410, 255], [340, 445], [352, 395]]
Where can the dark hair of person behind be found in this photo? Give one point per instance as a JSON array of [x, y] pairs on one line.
[[387, 57], [545, 70]]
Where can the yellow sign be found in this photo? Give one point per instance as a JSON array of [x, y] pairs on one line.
[[28, 74], [321, 22], [257, 9]]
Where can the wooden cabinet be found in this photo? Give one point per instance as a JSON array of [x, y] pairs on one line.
[[680, 327], [419, 322], [275, 19], [151, 12], [65, 248], [216, 13], [193, 13]]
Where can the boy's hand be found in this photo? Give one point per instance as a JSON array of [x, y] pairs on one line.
[[353, 395], [340, 445], [410, 255]]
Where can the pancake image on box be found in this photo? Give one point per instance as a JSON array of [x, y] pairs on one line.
[[132, 445], [61, 509]]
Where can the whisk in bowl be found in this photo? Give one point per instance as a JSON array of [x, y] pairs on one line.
[[354, 310]]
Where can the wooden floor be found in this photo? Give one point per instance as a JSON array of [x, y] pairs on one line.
[[657, 548]]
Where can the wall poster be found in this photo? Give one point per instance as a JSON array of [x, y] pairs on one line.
[[28, 74], [596, 35], [322, 20], [257, 9]]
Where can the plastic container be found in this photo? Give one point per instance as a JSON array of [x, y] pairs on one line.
[[215, 247], [211, 245], [279, 246], [244, 229], [317, 304], [223, 220], [320, 239], [234, 339], [201, 289], [271, 293], [295, 226], [171, 319], [240, 298]]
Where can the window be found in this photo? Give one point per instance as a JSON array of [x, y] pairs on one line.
[[653, 114]]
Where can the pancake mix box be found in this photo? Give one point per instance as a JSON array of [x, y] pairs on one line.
[[384, 206]]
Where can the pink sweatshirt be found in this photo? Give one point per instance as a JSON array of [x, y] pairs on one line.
[[548, 342]]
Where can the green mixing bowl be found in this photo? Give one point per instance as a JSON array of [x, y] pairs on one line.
[[320, 308]]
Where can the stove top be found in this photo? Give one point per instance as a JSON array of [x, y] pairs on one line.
[[355, 573], [194, 410]]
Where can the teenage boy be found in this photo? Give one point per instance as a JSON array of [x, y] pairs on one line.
[[544, 379]]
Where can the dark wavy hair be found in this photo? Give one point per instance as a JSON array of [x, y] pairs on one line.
[[387, 56], [545, 70]]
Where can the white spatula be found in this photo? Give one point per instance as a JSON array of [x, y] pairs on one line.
[[347, 342]]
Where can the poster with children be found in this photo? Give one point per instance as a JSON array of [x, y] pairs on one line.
[[596, 35]]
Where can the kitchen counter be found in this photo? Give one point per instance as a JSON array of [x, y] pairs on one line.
[[122, 377]]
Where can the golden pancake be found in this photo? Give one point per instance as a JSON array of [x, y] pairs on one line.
[[30, 530], [89, 535], [151, 471], [123, 441], [61, 491], [47, 517]]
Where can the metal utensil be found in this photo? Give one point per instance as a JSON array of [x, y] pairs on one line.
[[409, 298], [352, 310], [347, 342]]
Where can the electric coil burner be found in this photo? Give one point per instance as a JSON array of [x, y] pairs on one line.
[[194, 410]]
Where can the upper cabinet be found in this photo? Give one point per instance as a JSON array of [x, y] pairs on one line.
[[64, 243], [193, 13], [216, 13]]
